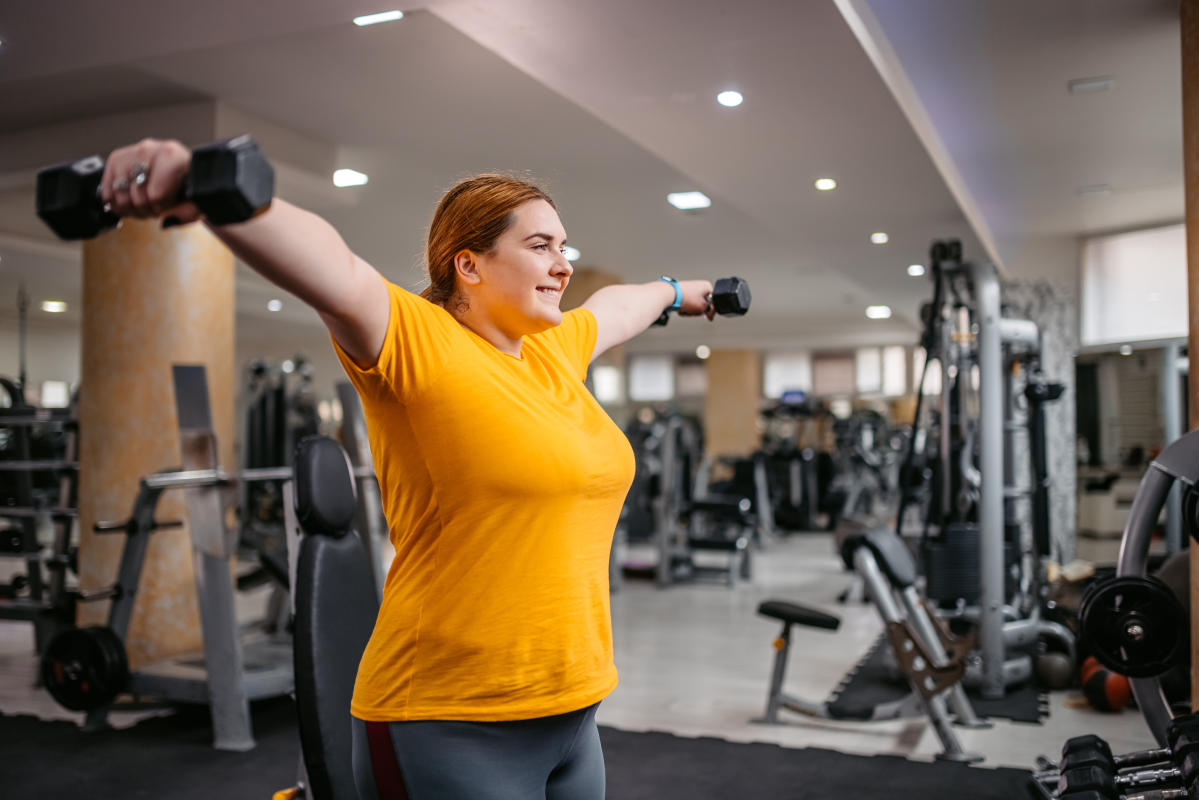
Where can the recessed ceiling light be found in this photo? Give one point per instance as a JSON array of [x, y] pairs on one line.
[[54, 306], [729, 98], [288, 366], [349, 177], [878, 312], [571, 253], [1125, 349], [1102, 83], [826, 184], [1095, 190], [688, 201], [274, 305], [382, 16], [703, 351], [915, 270], [880, 238]]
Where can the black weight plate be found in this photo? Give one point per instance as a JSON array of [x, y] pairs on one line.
[[1134, 626], [85, 668]]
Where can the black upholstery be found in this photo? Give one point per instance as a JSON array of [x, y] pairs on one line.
[[336, 606], [892, 555], [726, 508], [799, 615], [326, 496]]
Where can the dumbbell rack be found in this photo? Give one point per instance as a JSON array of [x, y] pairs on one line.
[[1088, 770]]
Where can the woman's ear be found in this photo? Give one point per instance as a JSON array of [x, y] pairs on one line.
[[467, 267]]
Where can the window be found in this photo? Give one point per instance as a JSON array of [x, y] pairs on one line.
[[932, 381], [1134, 286], [609, 388], [869, 370], [55, 394], [651, 378], [833, 374], [784, 372], [895, 370]]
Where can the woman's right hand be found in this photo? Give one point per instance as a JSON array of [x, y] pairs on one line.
[[162, 166]]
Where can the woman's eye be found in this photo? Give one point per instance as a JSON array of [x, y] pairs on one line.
[[542, 246]]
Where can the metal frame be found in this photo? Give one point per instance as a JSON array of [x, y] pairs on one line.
[[1178, 462], [935, 682]]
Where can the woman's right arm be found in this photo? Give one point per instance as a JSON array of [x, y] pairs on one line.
[[296, 250]]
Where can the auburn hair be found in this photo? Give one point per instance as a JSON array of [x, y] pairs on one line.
[[471, 216]]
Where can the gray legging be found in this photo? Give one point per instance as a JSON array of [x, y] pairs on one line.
[[557, 758]]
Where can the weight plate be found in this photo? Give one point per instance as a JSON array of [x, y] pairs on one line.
[[1134, 626], [85, 668]]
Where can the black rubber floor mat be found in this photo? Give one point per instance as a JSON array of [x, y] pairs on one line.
[[873, 681]]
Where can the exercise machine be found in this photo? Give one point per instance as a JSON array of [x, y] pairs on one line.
[[931, 659]]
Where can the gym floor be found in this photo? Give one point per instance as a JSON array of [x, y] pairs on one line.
[[694, 660]]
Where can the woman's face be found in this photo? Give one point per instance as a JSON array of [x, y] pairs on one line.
[[522, 277]]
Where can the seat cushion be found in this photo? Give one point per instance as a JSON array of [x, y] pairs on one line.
[[326, 497], [800, 615], [336, 607]]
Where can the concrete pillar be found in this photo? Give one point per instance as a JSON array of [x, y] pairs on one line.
[[1189, 24], [731, 407], [150, 299]]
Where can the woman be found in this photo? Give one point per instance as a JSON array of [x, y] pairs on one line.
[[502, 478]]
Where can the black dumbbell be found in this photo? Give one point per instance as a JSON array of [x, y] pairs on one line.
[[229, 181], [730, 298], [1092, 750], [1076, 782]]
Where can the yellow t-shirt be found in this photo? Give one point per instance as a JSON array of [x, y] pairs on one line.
[[502, 480]]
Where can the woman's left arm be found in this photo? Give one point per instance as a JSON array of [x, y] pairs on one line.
[[624, 310]]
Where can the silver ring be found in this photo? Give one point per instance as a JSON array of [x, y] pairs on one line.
[[120, 184], [139, 174]]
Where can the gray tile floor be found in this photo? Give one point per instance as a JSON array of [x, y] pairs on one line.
[[695, 659]]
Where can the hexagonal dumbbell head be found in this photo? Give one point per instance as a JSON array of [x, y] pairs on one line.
[[730, 297], [230, 181], [68, 199]]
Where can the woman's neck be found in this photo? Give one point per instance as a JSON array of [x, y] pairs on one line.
[[469, 316]]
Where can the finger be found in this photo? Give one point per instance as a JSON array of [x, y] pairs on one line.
[[138, 197], [164, 184], [107, 194]]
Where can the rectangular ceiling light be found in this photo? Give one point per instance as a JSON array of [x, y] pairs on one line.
[[688, 201], [375, 19], [349, 177], [1087, 85]]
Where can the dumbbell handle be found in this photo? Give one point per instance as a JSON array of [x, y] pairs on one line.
[[1143, 757], [1159, 794], [1144, 777], [1148, 777]]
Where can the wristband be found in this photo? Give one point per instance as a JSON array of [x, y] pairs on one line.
[[678, 292]]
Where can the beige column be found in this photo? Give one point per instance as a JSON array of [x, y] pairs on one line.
[[150, 299], [731, 407]]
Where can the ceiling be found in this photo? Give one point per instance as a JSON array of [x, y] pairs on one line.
[[938, 118]]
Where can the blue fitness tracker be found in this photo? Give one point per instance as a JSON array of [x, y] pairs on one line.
[[678, 292]]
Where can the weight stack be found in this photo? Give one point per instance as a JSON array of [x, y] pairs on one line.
[[951, 565]]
